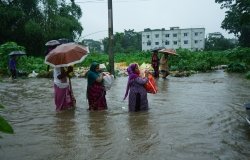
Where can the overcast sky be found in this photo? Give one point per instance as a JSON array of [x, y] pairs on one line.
[[153, 14]]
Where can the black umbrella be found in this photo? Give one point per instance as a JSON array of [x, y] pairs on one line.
[[52, 43], [156, 49], [64, 40], [17, 53]]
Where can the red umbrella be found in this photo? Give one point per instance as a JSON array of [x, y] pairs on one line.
[[66, 55], [168, 51]]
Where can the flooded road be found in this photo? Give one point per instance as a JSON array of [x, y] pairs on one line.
[[198, 117]]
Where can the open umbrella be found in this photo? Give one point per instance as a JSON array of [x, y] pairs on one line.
[[156, 49], [66, 55], [168, 51], [64, 40], [17, 53], [52, 43]]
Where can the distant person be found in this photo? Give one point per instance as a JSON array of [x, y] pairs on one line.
[[95, 89], [155, 63], [12, 67], [49, 48], [64, 98], [164, 69], [137, 100]]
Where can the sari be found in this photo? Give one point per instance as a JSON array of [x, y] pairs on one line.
[[137, 100], [63, 95], [155, 64]]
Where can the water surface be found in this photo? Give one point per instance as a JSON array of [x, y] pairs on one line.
[[197, 117]]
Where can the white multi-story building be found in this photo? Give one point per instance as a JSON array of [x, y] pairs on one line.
[[190, 38]]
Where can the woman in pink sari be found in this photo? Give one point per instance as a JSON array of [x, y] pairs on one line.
[[64, 98]]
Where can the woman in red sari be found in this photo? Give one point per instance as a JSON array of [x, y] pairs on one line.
[[155, 63], [95, 89]]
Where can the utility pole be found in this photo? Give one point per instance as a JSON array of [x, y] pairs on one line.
[[111, 38]]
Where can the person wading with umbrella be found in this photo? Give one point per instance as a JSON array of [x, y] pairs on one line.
[[13, 62], [62, 58], [155, 63], [64, 98], [12, 67], [50, 45], [164, 68]]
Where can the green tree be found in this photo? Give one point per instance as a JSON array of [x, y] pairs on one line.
[[5, 127], [126, 42], [237, 19], [94, 46], [218, 44], [32, 23]]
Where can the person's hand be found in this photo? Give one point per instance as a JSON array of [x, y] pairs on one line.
[[146, 73]]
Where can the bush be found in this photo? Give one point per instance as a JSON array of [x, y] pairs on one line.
[[237, 67], [248, 75]]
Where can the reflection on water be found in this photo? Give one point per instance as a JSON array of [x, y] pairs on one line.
[[196, 117], [65, 129]]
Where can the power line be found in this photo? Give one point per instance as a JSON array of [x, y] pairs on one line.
[[93, 33], [104, 1]]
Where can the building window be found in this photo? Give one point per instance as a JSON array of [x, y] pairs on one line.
[[195, 41], [148, 43], [157, 36], [157, 43], [196, 33], [185, 34], [167, 35], [175, 35], [175, 42], [148, 36], [166, 42], [185, 42]]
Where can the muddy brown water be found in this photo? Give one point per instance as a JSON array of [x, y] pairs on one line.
[[197, 117]]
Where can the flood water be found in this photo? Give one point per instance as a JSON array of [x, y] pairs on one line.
[[200, 117]]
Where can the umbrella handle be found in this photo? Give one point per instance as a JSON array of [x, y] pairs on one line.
[[71, 93]]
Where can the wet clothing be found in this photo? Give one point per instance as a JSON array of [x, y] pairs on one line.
[[164, 69], [155, 64], [64, 98], [95, 90], [12, 68], [137, 100]]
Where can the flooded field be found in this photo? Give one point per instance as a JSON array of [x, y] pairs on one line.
[[197, 117]]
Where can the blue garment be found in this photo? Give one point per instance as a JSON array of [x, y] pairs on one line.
[[12, 64], [92, 75]]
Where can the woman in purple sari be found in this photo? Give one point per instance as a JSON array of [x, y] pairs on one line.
[[138, 100], [95, 89]]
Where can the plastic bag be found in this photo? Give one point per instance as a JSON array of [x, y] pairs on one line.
[[107, 81], [151, 86]]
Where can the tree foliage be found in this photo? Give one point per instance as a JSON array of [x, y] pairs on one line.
[[218, 44], [5, 127], [127, 42], [32, 23], [237, 19]]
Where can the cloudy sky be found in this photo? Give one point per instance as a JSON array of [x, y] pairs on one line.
[[153, 14]]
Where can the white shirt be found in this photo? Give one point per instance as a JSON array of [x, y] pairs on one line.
[[58, 82]]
